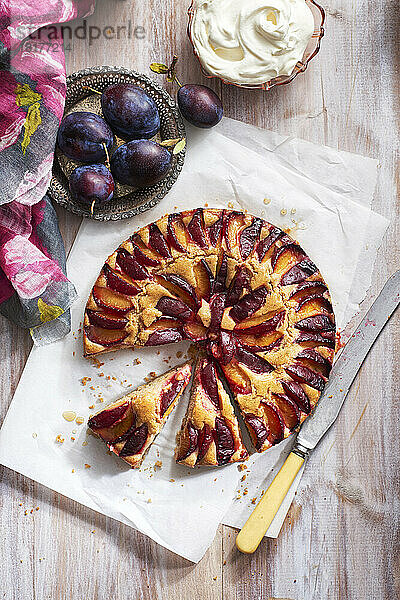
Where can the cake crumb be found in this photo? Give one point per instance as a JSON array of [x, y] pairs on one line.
[[79, 420], [243, 478], [149, 501], [179, 354], [253, 500], [215, 578], [158, 464], [84, 443], [73, 471], [59, 439], [97, 363], [87, 466], [267, 200], [224, 563], [91, 407], [172, 480], [242, 467], [34, 435], [72, 438], [283, 211]]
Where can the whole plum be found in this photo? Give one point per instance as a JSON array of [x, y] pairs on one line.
[[140, 163], [200, 105], [91, 184], [130, 112], [81, 136]]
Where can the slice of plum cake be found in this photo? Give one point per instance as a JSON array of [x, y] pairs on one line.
[[210, 433], [130, 425]]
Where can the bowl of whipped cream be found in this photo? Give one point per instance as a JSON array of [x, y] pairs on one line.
[[255, 43]]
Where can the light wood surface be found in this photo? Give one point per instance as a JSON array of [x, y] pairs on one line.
[[340, 540]]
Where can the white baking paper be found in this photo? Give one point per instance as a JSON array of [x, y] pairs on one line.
[[323, 197]]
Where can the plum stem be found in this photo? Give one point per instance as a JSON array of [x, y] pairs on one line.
[[171, 71], [87, 87], [107, 156]]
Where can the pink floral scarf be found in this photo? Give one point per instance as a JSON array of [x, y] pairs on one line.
[[34, 290]]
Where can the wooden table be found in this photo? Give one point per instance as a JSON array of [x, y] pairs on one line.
[[340, 540]]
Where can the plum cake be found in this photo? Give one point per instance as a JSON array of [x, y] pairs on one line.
[[240, 288], [130, 425], [210, 433]]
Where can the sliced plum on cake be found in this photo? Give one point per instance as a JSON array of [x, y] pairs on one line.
[[130, 425], [265, 246], [272, 417], [247, 371], [210, 433], [106, 323], [311, 367]]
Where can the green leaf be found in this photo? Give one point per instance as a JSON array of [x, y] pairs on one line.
[[159, 68], [179, 146]]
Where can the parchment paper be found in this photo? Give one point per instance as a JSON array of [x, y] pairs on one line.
[[323, 196]]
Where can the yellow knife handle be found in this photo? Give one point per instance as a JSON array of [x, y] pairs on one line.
[[254, 529]]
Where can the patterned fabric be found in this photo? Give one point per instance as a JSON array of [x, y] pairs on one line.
[[34, 290]]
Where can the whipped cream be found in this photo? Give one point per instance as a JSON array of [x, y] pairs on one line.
[[250, 41]]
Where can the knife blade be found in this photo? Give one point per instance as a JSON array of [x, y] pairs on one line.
[[319, 422]]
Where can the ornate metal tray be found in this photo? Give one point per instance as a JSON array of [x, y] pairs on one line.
[[127, 201]]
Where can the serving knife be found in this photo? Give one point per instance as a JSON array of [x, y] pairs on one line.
[[317, 424]]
